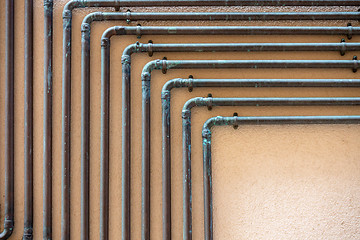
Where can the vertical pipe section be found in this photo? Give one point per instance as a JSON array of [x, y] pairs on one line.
[[208, 224], [104, 148], [145, 189], [47, 135], [9, 120], [28, 125], [85, 131], [65, 143]]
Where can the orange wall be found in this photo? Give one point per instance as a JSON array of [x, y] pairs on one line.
[[270, 182]]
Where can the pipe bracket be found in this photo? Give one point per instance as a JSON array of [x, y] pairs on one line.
[[235, 125], [138, 31], [190, 83], [125, 59], [206, 133], [209, 102], [67, 14], [343, 47], [128, 16], [164, 67], [186, 114], [85, 27], [356, 65], [105, 42], [349, 35], [150, 49]]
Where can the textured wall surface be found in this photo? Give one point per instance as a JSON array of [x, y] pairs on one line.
[[270, 182]]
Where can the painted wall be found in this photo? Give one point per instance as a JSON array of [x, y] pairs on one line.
[[270, 182]]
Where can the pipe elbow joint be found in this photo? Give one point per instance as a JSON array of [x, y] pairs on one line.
[[85, 27], [118, 30], [71, 5], [95, 16], [8, 229], [190, 104]]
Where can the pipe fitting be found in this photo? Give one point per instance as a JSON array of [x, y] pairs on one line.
[[206, 134], [343, 47], [85, 28], [105, 42], [128, 16], [163, 66], [125, 59], [67, 14], [186, 114], [48, 3], [150, 48], [349, 35], [145, 77], [356, 64], [165, 94], [28, 234], [138, 31]]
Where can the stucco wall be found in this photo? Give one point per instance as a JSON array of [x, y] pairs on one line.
[[270, 182]]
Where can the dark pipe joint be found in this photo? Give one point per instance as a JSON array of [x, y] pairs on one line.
[[138, 31], [48, 3], [349, 35], [126, 59], [343, 47], [146, 76], [67, 14], [85, 27], [28, 234], [150, 48], [206, 134], [356, 65], [105, 42], [128, 16]]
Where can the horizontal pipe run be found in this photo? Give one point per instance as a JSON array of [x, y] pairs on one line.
[[219, 16], [221, 121], [231, 30], [159, 3], [206, 64], [99, 16]]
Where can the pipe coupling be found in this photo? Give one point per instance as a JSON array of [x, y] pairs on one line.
[[150, 48], [206, 134], [128, 16], [67, 14], [28, 234], [138, 31], [125, 59], [356, 64], [48, 3], [186, 114], [349, 35], [343, 47], [85, 27], [145, 76], [105, 42], [165, 94], [9, 224]]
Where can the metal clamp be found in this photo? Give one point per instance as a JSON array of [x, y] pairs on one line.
[[164, 67], [190, 85], [355, 64], [235, 125], [128, 16], [210, 105], [343, 47], [349, 35], [138, 31], [150, 50]]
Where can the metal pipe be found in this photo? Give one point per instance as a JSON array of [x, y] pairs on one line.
[[206, 64], [9, 120], [150, 48], [28, 125], [67, 16], [221, 121], [67, 19], [193, 83], [126, 59], [47, 136], [129, 16]]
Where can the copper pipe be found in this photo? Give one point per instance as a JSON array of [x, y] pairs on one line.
[[9, 120], [28, 125]]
